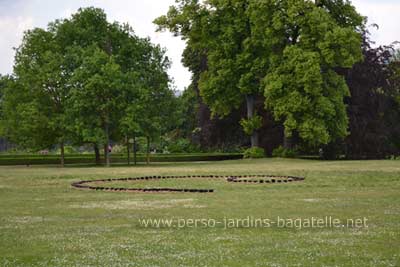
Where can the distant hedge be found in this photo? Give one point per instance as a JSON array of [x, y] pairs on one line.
[[19, 159]]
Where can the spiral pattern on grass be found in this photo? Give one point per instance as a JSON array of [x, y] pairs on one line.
[[245, 179]]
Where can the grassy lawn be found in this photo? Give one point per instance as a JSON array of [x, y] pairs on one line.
[[45, 222]]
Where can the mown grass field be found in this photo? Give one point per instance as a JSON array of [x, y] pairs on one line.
[[45, 222]]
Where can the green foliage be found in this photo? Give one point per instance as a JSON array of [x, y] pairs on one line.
[[153, 108], [282, 152], [308, 101], [23, 121], [97, 97], [34, 98], [253, 153], [188, 106], [302, 88], [219, 31], [181, 145], [251, 124], [85, 80], [296, 45]]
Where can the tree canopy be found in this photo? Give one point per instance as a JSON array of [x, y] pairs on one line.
[[290, 71], [303, 88], [250, 49], [77, 80]]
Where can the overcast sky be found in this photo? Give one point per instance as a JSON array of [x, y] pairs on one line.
[[16, 16]]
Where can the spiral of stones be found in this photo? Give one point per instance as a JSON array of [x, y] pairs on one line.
[[86, 184]]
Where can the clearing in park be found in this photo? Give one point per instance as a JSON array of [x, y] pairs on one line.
[[47, 222]]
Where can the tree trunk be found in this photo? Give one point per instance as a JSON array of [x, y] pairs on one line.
[[148, 150], [134, 150], [250, 103], [287, 142], [97, 154], [106, 153], [128, 150], [62, 154]]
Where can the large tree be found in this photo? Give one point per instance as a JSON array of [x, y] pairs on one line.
[[242, 42], [373, 107], [203, 129], [220, 32], [303, 87], [139, 69], [80, 35]]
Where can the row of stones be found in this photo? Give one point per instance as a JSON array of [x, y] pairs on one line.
[[271, 179], [84, 183]]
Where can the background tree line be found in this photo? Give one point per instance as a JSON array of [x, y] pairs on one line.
[[85, 80]]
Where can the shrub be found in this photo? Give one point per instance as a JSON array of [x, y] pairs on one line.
[[253, 153], [181, 145], [282, 152], [251, 124]]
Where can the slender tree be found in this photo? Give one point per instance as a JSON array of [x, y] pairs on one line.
[[41, 73], [96, 98], [152, 109]]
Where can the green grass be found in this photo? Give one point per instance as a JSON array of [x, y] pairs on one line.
[[45, 222], [198, 183]]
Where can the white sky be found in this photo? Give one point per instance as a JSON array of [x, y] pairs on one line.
[[16, 16]]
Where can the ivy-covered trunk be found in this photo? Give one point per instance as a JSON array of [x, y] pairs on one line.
[[250, 103]]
